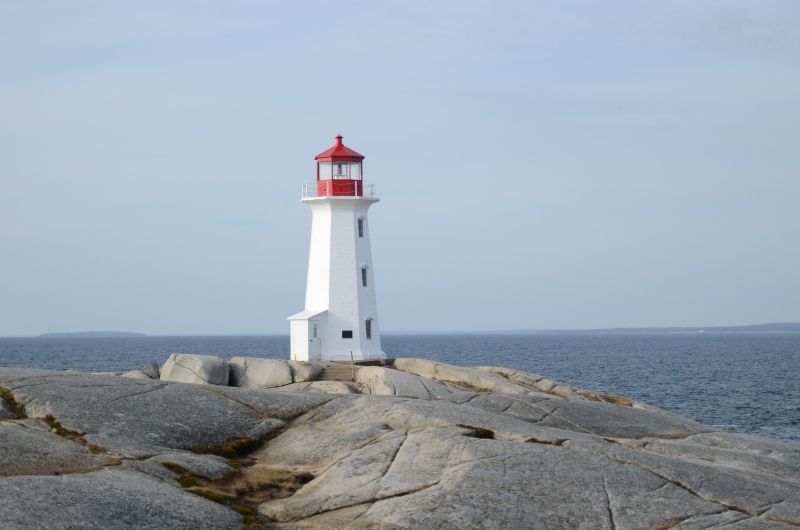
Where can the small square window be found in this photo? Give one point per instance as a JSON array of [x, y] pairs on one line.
[[360, 228], [364, 276], [347, 334]]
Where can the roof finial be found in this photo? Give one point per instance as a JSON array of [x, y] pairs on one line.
[[339, 139]]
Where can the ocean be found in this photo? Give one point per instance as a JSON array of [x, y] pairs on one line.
[[740, 382]]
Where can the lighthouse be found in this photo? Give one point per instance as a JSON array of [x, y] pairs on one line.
[[340, 320]]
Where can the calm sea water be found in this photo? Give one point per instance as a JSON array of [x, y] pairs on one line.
[[741, 382]]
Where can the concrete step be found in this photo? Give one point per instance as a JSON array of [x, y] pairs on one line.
[[337, 373]]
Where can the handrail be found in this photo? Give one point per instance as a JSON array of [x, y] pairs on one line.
[[310, 191]]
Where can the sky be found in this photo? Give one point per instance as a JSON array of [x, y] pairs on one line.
[[540, 165]]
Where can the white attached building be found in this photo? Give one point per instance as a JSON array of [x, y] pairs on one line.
[[341, 315]]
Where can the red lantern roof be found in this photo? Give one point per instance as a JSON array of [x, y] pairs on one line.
[[339, 152]]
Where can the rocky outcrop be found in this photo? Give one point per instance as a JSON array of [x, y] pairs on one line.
[[136, 374], [250, 372], [468, 378], [387, 382], [304, 371], [198, 369], [152, 371], [30, 448], [423, 446], [112, 498]]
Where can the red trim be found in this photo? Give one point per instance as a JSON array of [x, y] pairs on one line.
[[340, 188], [339, 153]]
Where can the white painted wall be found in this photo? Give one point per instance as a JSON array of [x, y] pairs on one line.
[[334, 284]]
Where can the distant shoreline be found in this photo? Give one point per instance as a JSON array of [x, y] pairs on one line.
[[784, 327], [90, 334]]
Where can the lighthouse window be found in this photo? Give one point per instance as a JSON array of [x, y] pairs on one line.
[[364, 276], [368, 328], [355, 171], [347, 334], [324, 170], [340, 170], [360, 228]]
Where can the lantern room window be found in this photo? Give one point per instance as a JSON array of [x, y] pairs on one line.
[[355, 170], [340, 170], [325, 169]]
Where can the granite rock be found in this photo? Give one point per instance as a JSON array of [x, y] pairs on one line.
[[251, 372], [388, 382], [438, 450], [35, 451], [209, 466], [152, 371], [136, 374], [303, 371], [470, 378], [197, 369], [112, 498], [147, 416]]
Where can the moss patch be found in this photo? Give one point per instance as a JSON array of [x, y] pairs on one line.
[[545, 442], [468, 386], [617, 400], [62, 431], [16, 406], [244, 489], [233, 448], [479, 431]]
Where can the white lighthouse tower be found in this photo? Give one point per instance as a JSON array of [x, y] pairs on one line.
[[341, 314]]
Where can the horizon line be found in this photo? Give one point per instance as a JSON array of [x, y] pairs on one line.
[[656, 329]]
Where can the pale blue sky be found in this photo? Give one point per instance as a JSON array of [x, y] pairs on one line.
[[567, 164]]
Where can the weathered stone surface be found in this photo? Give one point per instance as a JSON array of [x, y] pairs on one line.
[[274, 403], [153, 413], [321, 387], [152, 371], [388, 382], [197, 369], [461, 459], [750, 490], [418, 464], [136, 374], [125, 447], [27, 451], [252, 372], [209, 466], [112, 498], [266, 427], [303, 371], [468, 377], [445, 478], [606, 419], [152, 468]]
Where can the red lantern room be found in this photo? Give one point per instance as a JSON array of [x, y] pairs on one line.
[[339, 172]]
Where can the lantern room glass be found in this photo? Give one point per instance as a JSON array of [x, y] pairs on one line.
[[355, 170], [325, 171], [339, 170]]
